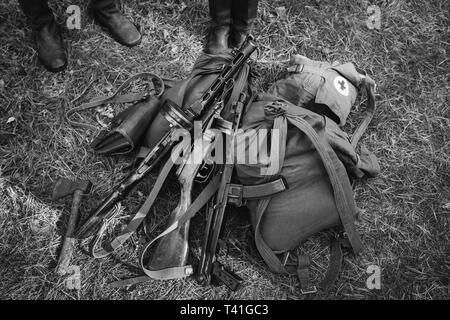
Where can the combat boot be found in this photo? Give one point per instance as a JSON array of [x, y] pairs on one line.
[[217, 39], [108, 15], [243, 15], [46, 33], [50, 47]]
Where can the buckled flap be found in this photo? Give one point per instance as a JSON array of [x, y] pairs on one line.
[[338, 94]]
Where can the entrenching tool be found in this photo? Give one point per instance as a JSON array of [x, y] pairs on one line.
[[77, 188]]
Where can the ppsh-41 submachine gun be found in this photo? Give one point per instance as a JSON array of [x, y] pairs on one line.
[[164, 130]]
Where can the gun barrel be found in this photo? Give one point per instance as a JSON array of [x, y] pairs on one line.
[[227, 73]]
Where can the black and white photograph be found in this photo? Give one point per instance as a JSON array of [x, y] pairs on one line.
[[224, 155]]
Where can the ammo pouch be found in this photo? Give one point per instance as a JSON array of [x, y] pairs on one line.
[[127, 128]]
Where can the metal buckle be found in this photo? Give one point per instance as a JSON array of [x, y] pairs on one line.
[[205, 172], [235, 194], [231, 280], [299, 68], [296, 68], [309, 290], [289, 262]]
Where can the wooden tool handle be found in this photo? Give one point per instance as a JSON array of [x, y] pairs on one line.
[[69, 243]]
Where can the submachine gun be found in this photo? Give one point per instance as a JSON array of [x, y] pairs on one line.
[[164, 130]]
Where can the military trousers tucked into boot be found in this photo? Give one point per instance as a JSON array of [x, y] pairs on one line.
[[231, 21], [46, 33]]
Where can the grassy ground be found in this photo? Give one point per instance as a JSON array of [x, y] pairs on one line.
[[405, 211]]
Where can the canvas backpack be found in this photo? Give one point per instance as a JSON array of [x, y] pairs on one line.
[[307, 148]]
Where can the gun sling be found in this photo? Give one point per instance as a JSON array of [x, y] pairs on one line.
[[257, 191], [115, 97]]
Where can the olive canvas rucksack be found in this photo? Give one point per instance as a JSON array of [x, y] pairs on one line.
[[295, 130]]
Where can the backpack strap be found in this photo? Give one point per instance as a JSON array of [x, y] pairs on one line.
[[300, 266], [176, 272], [369, 85], [239, 84], [339, 181]]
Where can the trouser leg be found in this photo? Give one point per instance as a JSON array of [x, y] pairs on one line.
[[220, 13], [37, 12], [47, 34], [243, 14]]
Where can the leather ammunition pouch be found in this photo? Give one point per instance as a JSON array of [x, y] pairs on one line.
[[128, 128]]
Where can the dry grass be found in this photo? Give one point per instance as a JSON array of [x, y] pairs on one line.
[[405, 211]]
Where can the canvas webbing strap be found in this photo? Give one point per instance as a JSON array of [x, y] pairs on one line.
[[340, 183], [115, 97], [299, 265], [334, 265], [306, 286], [136, 220], [183, 271], [261, 190], [239, 85], [369, 85], [176, 272]]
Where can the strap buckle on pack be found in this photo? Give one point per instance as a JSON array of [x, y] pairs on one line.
[[306, 287], [235, 194], [299, 265], [297, 68], [238, 193]]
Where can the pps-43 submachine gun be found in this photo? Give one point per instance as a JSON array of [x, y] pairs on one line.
[[209, 268]]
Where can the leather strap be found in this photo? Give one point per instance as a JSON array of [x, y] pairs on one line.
[[302, 264], [132, 226], [335, 264], [176, 272], [239, 193], [114, 98], [264, 189], [306, 286]]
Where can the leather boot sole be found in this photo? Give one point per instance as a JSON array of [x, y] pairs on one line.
[[54, 70]]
